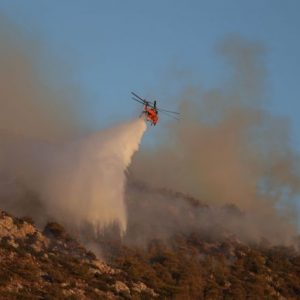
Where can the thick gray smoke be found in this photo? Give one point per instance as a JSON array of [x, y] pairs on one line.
[[47, 169], [225, 150]]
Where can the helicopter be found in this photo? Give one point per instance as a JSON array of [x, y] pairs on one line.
[[151, 110]]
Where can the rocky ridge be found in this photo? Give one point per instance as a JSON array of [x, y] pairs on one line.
[[53, 265]]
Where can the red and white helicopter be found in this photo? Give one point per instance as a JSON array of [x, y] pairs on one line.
[[151, 111]]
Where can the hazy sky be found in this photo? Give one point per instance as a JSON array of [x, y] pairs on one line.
[[113, 47]]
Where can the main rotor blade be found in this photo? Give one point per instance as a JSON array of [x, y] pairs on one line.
[[168, 111], [171, 116], [138, 100], [137, 96], [144, 100]]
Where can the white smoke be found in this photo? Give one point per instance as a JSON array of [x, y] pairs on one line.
[[81, 181]]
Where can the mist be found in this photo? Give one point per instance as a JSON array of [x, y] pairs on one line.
[[79, 183], [86, 180], [226, 150]]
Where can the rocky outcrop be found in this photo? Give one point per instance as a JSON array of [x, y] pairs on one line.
[[36, 265], [14, 228]]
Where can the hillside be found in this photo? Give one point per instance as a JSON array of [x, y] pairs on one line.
[[53, 265], [194, 266]]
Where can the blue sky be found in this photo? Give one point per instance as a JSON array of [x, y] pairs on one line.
[[113, 47]]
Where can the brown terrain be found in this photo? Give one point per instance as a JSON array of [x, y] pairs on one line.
[[50, 264]]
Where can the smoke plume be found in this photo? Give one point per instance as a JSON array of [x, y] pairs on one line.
[[33, 104], [226, 149], [51, 166]]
